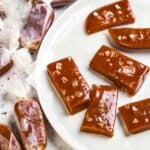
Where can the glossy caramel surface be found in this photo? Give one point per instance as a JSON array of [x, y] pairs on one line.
[[70, 84], [31, 123], [131, 37], [114, 14], [6, 67], [122, 70], [101, 114], [6, 61], [7, 139], [136, 116]]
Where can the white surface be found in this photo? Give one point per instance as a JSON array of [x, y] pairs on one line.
[[16, 12], [13, 84], [67, 38]]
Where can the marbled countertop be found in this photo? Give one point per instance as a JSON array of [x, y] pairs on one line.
[[15, 83]]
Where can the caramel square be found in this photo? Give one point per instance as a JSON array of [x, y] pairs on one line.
[[70, 84], [101, 114]]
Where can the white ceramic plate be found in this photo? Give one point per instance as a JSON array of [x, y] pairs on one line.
[[67, 38]]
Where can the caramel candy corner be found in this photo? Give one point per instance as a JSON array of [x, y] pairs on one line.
[[70, 84], [31, 124], [110, 15], [7, 139], [135, 117], [101, 114], [124, 71]]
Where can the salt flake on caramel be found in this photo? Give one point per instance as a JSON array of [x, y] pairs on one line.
[[114, 14], [131, 37], [124, 71], [101, 113], [135, 117], [70, 84]]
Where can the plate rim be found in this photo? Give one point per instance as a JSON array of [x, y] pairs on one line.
[[55, 27], [72, 144]]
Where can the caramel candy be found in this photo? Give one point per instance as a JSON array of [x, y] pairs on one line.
[[124, 71], [38, 22], [31, 124], [61, 3], [114, 14], [7, 139], [101, 113], [6, 61], [135, 116], [131, 37], [70, 84]]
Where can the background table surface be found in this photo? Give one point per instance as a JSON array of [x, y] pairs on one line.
[[13, 85]]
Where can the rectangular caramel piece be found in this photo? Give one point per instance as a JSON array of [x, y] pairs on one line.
[[31, 124], [135, 116], [124, 71], [70, 84], [114, 14], [101, 114]]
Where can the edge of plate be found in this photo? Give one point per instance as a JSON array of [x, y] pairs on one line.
[[51, 120]]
